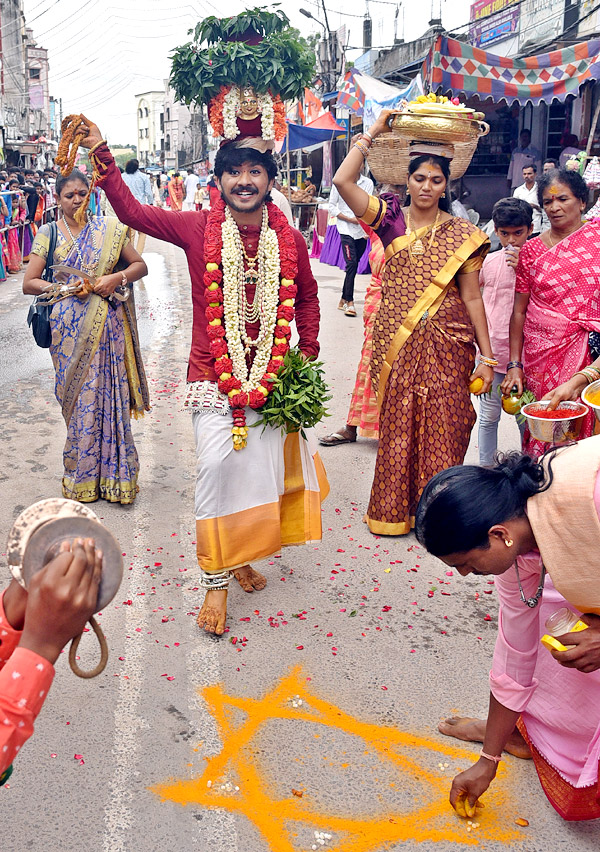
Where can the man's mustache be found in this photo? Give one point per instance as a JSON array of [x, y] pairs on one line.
[[251, 189]]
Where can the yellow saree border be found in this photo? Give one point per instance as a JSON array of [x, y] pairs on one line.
[[376, 210], [430, 300], [383, 528]]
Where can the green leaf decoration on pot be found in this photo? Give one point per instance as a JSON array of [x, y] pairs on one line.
[[256, 48]]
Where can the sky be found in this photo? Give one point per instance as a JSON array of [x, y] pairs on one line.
[[102, 54]]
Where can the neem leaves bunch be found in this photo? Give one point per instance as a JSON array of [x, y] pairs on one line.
[[297, 401], [256, 48]]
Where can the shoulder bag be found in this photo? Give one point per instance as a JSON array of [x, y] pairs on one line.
[[38, 317]]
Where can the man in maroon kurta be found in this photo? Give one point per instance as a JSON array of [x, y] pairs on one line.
[[245, 180]]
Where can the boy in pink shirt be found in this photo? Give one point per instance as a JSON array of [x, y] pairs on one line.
[[513, 224]]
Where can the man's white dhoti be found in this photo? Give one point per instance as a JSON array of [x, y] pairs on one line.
[[252, 502]]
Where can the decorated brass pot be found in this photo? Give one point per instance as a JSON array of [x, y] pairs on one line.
[[438, 128]]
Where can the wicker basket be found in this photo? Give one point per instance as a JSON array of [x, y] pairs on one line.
[[389, 155]]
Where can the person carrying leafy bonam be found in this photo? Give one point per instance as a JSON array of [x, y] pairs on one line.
[[256, 489]]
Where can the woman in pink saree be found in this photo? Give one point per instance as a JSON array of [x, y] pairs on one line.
[[557, 303]]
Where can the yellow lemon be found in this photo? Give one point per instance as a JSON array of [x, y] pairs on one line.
[[211, 267], [476, 385]]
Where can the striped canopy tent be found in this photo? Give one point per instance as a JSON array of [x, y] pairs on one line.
[[458, 67], [366, 96]]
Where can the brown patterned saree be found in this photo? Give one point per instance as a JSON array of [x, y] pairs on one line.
[[423, 355]]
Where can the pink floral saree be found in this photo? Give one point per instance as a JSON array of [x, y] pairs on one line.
[[563, 284]]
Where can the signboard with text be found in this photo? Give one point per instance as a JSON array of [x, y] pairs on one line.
[[493, 20], [542, 21]]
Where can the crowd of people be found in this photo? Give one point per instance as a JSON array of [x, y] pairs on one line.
[[26, 202], [444, 319]]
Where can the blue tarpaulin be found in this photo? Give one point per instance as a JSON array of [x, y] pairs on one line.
[[305, 137]]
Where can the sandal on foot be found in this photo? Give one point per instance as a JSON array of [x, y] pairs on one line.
[[342, 305], [335, 439], [350, 311]]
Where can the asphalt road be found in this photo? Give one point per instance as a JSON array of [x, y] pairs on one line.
[[312, 723]]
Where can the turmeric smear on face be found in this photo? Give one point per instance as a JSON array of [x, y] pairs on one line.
[[278, 813]]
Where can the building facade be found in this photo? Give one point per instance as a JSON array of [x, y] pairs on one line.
[[150, 142], [512, 29], [27, 136]]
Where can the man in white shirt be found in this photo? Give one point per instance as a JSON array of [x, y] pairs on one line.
[[141, 189], [523, 155], [191, 185], [354, 241], [528, 191]]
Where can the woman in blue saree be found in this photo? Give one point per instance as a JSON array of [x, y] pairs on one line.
[[100, 379]]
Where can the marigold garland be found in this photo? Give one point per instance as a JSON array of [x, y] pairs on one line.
[[279, 121], [215, 111], [228, 382]]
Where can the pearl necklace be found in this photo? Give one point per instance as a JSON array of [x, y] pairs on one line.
[[238, 311]]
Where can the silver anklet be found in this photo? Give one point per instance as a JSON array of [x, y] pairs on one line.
[[213, 582]]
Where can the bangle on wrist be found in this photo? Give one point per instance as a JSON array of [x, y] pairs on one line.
[[362, 148], [368, 135], [97, 145], [494, 758], [489, 362], [513, 364], [124, 281], [590, 374]]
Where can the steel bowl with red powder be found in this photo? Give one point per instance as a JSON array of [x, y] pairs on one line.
[[558, 426]]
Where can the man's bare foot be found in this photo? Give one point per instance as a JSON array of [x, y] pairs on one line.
[[473, 731], [249, 579], [213, 613]]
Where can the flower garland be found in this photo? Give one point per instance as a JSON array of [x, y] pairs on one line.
[[231, 104], [226, 324], [215, 111], [267, 116], [280, 123]]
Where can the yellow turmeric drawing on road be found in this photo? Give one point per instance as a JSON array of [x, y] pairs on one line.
[[237, 779]]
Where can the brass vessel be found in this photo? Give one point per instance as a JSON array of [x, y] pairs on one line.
[[437, 128]]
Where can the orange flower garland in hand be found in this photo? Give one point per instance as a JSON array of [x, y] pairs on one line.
[[73, 130]]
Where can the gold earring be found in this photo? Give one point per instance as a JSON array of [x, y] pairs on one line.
[[508, 542]]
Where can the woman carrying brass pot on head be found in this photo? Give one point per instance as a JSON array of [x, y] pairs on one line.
[[424, 335]]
